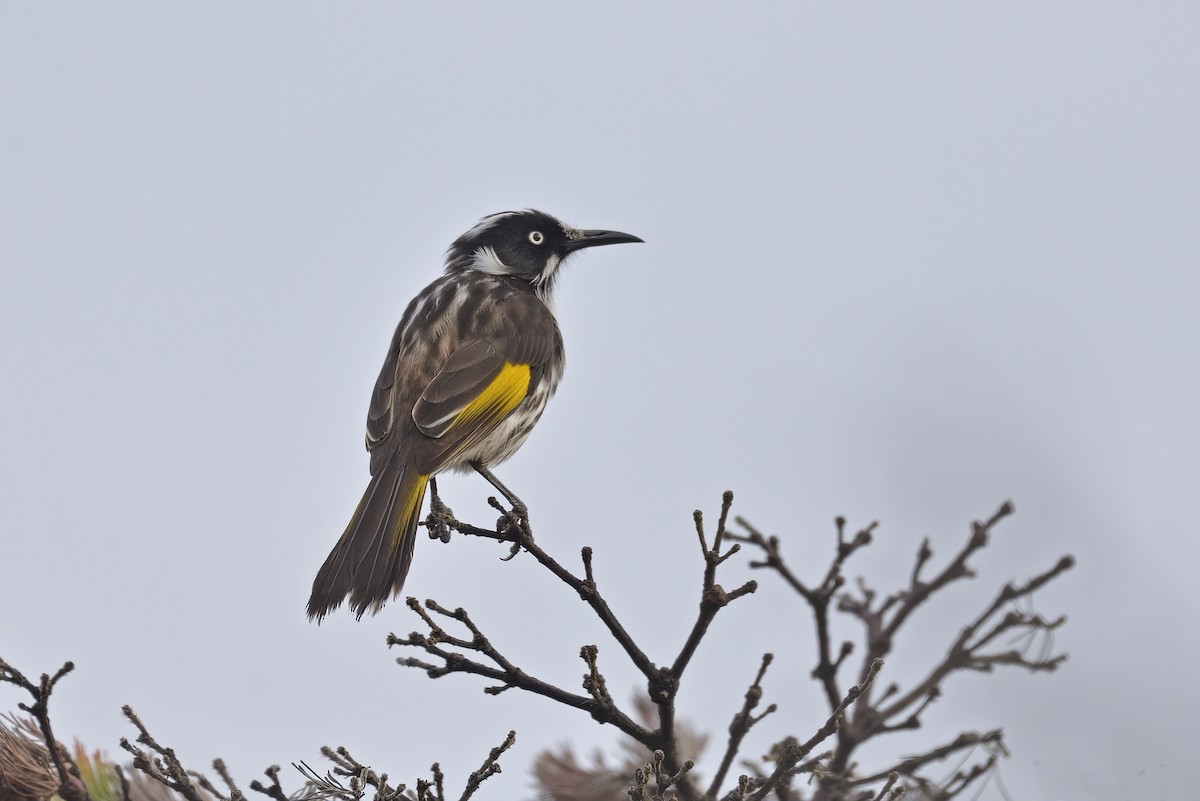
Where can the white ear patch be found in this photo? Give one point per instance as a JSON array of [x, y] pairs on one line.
[[486, 261]]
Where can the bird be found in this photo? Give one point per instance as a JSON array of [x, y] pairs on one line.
[[471, 366]]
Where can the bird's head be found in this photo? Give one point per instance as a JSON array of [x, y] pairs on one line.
[[530, 245]]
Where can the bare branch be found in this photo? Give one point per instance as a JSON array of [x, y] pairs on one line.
[[586, 588], [713, 597], [909, 766], [69, 787], [489, 768], [793, 752], [662, 682], [966, 652], [273, 790], [892, 778], [973, 649], [166, 767], [818, 598], [439, 642], [742, 722]]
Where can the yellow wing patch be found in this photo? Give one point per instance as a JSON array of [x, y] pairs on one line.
[[501, 396]]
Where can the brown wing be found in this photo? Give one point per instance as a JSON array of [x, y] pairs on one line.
[[478, 375], [456, 387], [382, 414], [480, 384]]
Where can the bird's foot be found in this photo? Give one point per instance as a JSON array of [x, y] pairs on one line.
[[513, 550], [514, 521], [440, 518]]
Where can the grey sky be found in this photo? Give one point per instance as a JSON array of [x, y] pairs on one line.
[[901, 264]]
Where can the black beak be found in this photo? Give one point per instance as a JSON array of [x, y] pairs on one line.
[[588, 239]]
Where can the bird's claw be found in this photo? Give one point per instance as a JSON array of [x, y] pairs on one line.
[[513, 550], [436, 523], [440, 519], [513, 523]]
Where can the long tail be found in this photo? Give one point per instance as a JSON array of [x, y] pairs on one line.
[[372, 558]]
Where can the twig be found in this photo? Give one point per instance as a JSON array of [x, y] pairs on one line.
[[505, 672], [663, 779], [742, 722], [819, 598], [662, 682], [69, 787], [910, 765], [713, 597], [273, 790], [892, 778], [794, 752], [489, 768], [882, 619], [124, 780], [585, 588], [358, 777], [166, 767], [965, 654]]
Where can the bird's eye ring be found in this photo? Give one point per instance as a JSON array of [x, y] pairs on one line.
[[536, 237]]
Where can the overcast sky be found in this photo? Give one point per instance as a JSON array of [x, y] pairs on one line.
[[901, 263]]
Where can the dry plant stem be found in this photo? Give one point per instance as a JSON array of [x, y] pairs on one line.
[[663, 779], [586, 588], [432, 790], [124, 782], [793, 753], [70, 788], [910, 766], [743, 721], [505, 672], [274, 790], [895, 709], [359, 777], [892, 778], [166, 767], [489, 768], [960, 781], [965, 654], [328, 786], [819, 598], [662, 682], [882, 632], [902, 710], [745, 787], [712, 597]]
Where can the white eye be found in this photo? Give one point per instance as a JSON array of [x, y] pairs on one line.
[[536, 237]]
